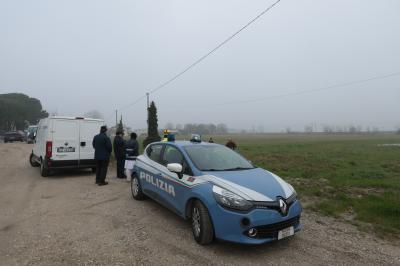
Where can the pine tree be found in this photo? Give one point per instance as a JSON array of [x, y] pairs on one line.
[[152, 125]]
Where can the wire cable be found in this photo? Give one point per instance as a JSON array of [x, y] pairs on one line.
[[339, 85], [132, 103], [164, 84], [345, 84]]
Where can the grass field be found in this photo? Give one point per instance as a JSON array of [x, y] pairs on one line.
[[351, 177]]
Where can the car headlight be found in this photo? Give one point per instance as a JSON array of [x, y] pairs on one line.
[[293, 197], [230, 200]]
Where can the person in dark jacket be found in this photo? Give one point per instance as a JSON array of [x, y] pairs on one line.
[[119, 152], [132, 150], [231, 144], [102, 150]]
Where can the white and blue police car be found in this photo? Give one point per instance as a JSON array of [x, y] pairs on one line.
[[223, 194]]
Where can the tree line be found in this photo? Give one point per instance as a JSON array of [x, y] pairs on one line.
[[17, 111], [202, 129]]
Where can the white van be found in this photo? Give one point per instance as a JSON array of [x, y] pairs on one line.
[[65, 142]]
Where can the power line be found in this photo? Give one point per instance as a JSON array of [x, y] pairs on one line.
[[339, 85], [133, 103], [162, 85], [344, 84]]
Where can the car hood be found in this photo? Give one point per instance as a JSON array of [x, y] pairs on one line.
[[254, 184]]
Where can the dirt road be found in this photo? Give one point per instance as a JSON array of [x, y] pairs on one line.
[[67, 220]]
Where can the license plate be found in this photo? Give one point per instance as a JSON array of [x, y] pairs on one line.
[[66, 149], [285, 232]]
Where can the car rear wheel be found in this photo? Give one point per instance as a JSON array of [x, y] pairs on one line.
[[202, 228], [32, 161], [44, 170], [136, 189]]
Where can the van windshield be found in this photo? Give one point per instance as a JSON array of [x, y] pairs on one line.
[[216, 158]]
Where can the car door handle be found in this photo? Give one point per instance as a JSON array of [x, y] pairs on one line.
[[83, 144]]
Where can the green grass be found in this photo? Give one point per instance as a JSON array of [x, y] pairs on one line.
[[336, 175]]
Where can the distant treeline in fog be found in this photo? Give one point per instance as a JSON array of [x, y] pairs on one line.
[[202, 129]]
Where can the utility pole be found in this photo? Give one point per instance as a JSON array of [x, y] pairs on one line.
[[116, 117]]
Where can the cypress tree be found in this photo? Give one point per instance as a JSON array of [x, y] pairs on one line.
[[152, 125], [120, 126]]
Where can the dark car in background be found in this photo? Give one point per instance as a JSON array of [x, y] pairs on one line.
[[13, 136], [30, 134]]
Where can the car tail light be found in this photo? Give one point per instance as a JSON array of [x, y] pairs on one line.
[[49, 148]]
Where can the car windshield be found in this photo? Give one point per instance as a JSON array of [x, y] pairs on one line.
[[216, 158]]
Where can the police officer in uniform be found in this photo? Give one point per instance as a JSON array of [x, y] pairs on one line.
[[132, 151], [119, 152], [102, 150]]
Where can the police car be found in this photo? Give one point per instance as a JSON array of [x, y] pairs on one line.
[[223, 194]]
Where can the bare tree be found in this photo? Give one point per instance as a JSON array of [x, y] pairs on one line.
[[309, 129], [327, 129], [179, 127], [93, 114], [169, 125]]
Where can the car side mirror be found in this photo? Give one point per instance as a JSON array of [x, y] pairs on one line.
[[175, 168]]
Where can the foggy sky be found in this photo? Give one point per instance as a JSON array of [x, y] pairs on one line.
[[76, 56]]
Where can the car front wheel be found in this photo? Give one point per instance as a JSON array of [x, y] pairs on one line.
[[202, 228]]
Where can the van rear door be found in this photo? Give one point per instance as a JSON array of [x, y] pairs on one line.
[[88, 129], [66, 141]]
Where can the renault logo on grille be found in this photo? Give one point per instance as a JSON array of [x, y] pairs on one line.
[[283, 206]]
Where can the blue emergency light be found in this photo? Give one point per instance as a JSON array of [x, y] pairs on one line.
[[195, 138], [168, 135]]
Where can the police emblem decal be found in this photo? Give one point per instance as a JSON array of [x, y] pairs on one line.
[[191, 179]]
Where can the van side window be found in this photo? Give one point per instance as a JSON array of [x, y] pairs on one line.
[[154, 152]]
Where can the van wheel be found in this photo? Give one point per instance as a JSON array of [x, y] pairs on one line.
[[136, 189], [202, 227], [44, 170], [32, 161]]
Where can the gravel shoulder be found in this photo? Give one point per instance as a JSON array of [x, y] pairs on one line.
[[67, 220]]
